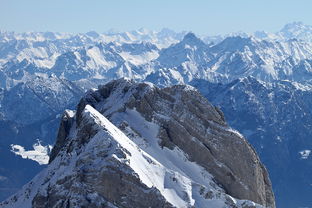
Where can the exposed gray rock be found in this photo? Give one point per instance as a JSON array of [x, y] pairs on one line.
[[62, 134]]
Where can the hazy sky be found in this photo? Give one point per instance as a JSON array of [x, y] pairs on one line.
[[200, 16]]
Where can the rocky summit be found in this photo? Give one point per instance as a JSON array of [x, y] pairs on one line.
[[135, 145]]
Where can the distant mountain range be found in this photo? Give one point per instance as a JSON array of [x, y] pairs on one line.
[[108, 56], [262, 82]]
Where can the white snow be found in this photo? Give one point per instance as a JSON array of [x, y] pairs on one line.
[[305, 154], [40, 153], [70, 113], [97, 59], [139, 59], [278, 138]]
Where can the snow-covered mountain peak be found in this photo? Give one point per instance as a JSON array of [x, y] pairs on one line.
[[297, 30], [235, 43], [166, 32], [134, 136], [120, 100], [93, 34], [294, 26], [191, 50], [145, 31], [191, 39]]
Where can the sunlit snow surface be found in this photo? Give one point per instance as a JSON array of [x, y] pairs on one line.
[[40, 153]]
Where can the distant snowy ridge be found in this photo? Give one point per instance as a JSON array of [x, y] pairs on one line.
[[138, 55]]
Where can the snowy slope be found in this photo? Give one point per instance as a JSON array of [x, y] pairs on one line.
[[105, 61]]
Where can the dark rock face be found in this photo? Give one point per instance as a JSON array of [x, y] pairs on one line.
[[190, 122], [62, 134]]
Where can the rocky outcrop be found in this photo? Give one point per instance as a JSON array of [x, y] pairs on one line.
[[63, 132], [154, 148], [111, 185], [187, 120]]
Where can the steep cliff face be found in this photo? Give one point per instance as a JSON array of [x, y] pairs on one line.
[[276, 119], [135, 145]]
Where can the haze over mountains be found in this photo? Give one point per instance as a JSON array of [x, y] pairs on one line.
[[261, 81]]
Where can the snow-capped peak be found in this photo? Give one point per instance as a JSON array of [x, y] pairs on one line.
[[297, 30], [143, 154]]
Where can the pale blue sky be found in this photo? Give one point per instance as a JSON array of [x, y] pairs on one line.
[[200, 16]]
